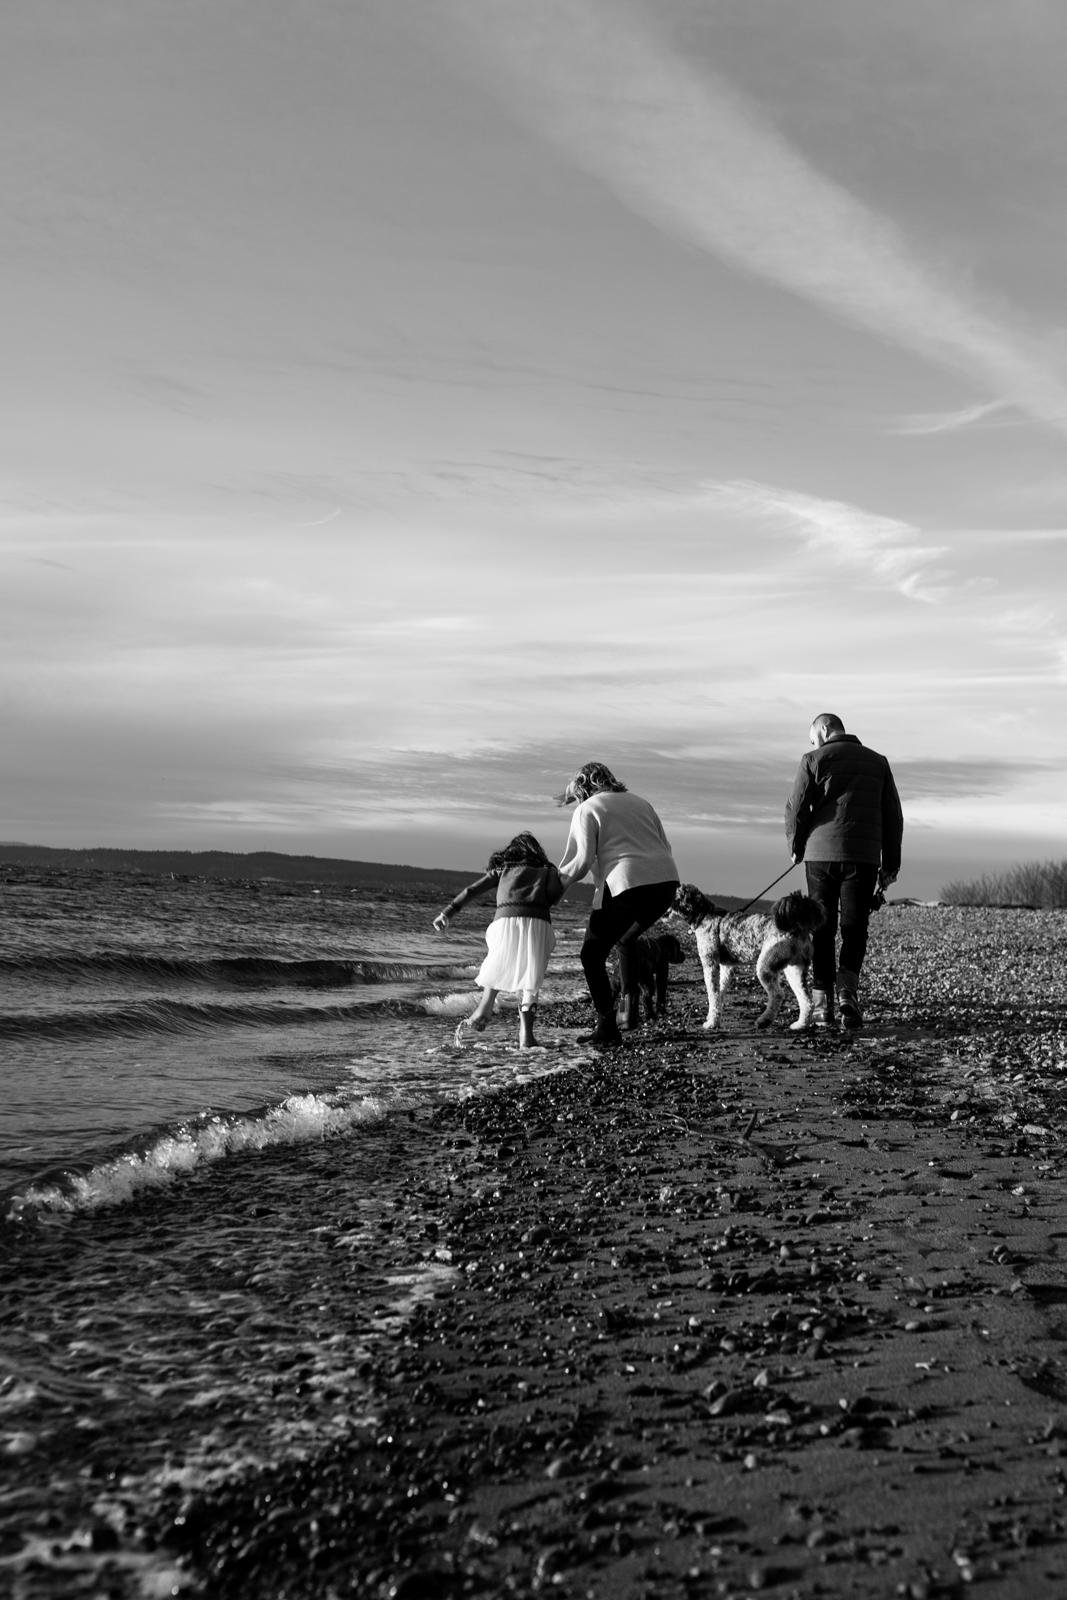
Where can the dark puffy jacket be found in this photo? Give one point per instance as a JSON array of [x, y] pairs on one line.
[[844, 806]]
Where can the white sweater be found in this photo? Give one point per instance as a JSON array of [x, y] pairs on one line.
[[620, 839]]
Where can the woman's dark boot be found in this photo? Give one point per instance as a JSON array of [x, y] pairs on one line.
[[606, 1035]]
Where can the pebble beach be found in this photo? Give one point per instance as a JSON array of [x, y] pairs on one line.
[[706, 1315]]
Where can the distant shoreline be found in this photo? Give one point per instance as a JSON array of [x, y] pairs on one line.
[[257, 864], [233, 866]]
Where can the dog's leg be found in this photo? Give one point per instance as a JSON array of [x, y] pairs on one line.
[[725, 972], [715, 978], [662, 975], [794, 976], [768, 971]]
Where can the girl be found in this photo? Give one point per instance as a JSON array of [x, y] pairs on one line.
[[520, 936]]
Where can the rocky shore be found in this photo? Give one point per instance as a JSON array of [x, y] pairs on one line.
[[730, 1314]]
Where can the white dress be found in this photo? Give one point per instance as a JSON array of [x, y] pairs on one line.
[[519, 948]]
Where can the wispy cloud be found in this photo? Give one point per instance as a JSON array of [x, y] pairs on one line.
[[1003, 538], [320, 522], [681, 147], [884, 547], [1016, 819], [921, 423]]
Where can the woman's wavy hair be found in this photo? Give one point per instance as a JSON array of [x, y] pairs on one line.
[[593, 778], [522, 851]]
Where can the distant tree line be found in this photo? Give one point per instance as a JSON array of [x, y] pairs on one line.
[[1035, 883]]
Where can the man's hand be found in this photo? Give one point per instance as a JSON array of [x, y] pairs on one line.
[[441, 922]]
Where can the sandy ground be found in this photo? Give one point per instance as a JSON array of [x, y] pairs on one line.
[[736, 1313]]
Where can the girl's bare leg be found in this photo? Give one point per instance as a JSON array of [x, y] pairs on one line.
[[484, 1009], [478, 1018]]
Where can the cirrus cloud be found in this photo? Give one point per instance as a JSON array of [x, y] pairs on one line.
[[681, 147]]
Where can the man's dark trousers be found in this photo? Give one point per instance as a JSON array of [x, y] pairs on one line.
[[844, 890]]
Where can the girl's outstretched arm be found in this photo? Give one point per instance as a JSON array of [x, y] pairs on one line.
[[480, 886]]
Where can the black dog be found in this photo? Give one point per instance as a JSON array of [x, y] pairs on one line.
[[651, 957]]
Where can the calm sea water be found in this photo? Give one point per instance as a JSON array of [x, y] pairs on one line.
[[150, 1025], [211, 1102]]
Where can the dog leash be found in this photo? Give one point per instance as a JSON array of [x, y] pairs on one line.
[[762, 892]]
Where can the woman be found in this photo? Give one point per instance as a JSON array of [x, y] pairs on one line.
[[619, 838]]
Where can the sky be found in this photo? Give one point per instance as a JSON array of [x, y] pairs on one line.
[[405, 403]]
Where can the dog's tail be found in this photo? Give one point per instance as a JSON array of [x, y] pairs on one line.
[[796, 913]]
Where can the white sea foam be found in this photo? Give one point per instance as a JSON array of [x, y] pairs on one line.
[[563, 988], [299, 1119], [449, 1005]]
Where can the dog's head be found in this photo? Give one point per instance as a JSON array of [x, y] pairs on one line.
[[797, 913], [667, 946], [692, 904]]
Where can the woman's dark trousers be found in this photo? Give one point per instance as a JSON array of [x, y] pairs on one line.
[[618, 920]]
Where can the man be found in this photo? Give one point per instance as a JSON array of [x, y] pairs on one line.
[[843, 820]]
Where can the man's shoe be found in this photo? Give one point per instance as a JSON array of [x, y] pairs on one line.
[[822, 1009], [848, 999], [851, 1015]]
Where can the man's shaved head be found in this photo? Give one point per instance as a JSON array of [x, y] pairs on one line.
[[823, 726]]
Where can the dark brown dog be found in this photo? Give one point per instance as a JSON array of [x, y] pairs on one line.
[[652, 955]]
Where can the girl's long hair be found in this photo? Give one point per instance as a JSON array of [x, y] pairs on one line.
[[522, 851]]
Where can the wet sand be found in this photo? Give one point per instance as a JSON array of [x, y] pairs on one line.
[[737, 1313]]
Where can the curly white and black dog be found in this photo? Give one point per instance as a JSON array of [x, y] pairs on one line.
[[653, 955], [779, 944]]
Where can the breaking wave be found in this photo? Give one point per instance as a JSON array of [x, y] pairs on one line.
[[176, 1153], [189, 1016], [237, 971]]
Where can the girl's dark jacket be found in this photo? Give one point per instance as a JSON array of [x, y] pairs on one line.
[[845, 807], [524, 890]]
